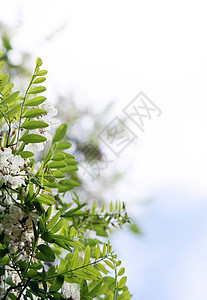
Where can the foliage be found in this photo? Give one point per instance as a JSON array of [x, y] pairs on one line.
[[51, 246], [94, 165]]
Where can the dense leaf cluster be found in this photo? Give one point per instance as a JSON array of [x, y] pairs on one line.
[[47, 242]]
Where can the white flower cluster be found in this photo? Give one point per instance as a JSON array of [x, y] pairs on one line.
[[11, 168], [18, 227], [69, 292], [48, 118], [90, 234]]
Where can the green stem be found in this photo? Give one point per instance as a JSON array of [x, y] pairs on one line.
[[21, 112], [116, 285]]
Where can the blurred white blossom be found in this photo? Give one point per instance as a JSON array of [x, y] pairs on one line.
[[69, 292]]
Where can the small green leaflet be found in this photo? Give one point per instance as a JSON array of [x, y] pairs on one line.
[[26, 154], [45, 254], [60, 133], [57, 227], [102, 268], [33, 138], [9, 99], [38, 62], [95, 290], [41, 73], [74, 260], [39, 80], [58, 174], [57, 283], [34, 124], [98, 252], [53, 221], [58, 156], [63, 145], [121, 271], [69, 169], [45, 199], [122, 282], [37, 90], [109, 264], [87, 255], [36, 101], [57, 165], [35, 112], [69, 182]]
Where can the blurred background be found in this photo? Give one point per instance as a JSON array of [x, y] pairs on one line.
[[99, 57]]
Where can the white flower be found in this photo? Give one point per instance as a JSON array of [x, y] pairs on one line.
[[69, 292], [18, 227], [90, 234], [11, 168]]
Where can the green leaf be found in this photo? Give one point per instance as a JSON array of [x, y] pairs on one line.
[[36, 101], [41, 73], [33, 138], [48, 156], [69, 182], [15, 110], [124, 296], [9, 281], [34, 286], [34, 124], [57, 227], [39, 80], [45, 199], [63, 145], [104, 249], [102, 268], [9, 99], [3, 81], [58, 156], [62, 244], [109, 264], [3, 252], [98, 252], [63, 266], [37, 90], [38, 62], [58, 174], [87, 255], [35, 112], [45, 254], [26, 154], [74, 260], [48, 237], [69, 169], [108, 247], [50, 271], [53, 221], [57, 283], [1, 53], [109, 296], [95, 290], [48, 213], [60, 133], [122, 282], [121, 271], [93, 271], [57, 165], [83, 288]]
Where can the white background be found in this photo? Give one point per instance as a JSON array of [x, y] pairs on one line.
[[112, 50]]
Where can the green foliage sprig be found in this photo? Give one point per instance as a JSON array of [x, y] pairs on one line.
[[50, 247]]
